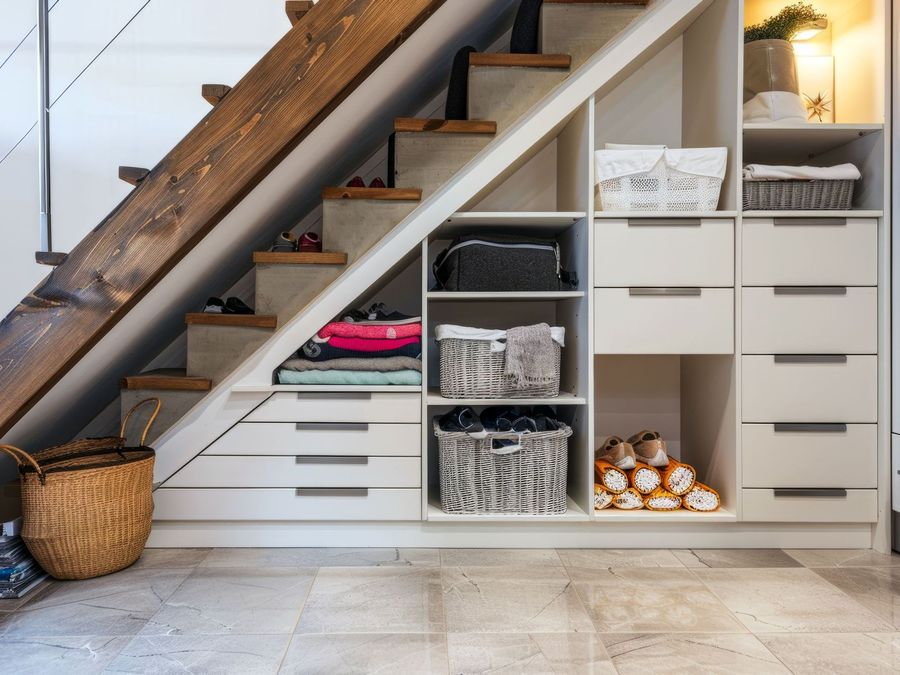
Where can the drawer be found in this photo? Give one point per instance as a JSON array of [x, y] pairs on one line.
[[319, 438], [664, 252], [664, 321], [301, 471], [287, 504], [809, 455], [810, 388], [810, 506], [809, 320], [339, 407], [810, 251]]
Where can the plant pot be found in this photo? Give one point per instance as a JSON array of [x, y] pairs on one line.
[[771, 84]]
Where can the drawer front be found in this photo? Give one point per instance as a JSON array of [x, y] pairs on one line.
[[663, 321], [664, 252], [819, 251], [810, 320], [339, 407], [301, 471], [810, 390], [287, 504], [809, 455], [839, 506], [319, 438]]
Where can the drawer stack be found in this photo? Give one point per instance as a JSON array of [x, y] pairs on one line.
[[307, 456], [809, 322], [664, 286]]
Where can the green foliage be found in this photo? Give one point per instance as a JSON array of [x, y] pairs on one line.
[[785, 24]]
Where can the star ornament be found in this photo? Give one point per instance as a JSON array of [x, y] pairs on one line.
[[818, 106]]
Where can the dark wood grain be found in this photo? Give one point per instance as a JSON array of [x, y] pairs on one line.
[[295, 9], [214, 93], [241, 320], [51, 258], [166, 379], [384, 194], [413, 125], [133, 174], [286, 95], [299, 258], [521, 60]]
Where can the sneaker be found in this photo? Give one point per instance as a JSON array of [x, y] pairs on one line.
[[236, 306], [380, 313], [214, 306], [545, 418], [464, 419], [286, 242], [650, 448], [310, 242], [377, 183], [356, 181], [618, 453], [499, 418]]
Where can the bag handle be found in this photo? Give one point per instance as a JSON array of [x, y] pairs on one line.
[[150, 422], [23, 458]]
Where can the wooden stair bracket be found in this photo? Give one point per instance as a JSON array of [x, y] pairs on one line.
[[560, 61], [240, 320], [133, 174], [299, 258], [51, 258], [166, 379], [296, 9], [414, 125], [383, 194], [214, 93], [279, 102]]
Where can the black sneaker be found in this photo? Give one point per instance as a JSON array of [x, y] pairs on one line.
[[214, 306], [499, 418], [379, 313], [462, 418], [236, 306], [545, 418]]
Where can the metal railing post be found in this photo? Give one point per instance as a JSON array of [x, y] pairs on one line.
[[43, 24]]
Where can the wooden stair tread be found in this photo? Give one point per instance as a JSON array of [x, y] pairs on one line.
[[414, 124], [521, 60], [239, 320], [295, 9], [299, 258], [384, 194], [166, 379]]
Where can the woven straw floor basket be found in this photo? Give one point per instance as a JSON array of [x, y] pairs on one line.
[[87, 506]]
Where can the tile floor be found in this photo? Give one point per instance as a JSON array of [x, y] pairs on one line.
[[466, 611]]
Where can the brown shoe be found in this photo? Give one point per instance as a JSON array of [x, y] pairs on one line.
[[649, 448], [618, 453]]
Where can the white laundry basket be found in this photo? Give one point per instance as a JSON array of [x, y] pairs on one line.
[[656, 178]]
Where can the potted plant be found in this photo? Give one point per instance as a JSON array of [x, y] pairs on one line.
[[771, 85]]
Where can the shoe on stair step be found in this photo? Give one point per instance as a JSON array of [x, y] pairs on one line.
[[214, 306], [235, 305], [285, 242], [309, 242], [356, 181], [377, 183], [617, 452]]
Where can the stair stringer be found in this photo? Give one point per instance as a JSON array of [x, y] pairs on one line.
[[249, 385]]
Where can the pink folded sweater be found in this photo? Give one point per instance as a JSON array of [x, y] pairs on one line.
[[359, 344], [350, 330]]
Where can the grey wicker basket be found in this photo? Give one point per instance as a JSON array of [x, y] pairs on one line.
[[479, 476], [469, 369], [798, 195]]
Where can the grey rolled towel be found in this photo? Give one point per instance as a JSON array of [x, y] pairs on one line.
[[530, 356]]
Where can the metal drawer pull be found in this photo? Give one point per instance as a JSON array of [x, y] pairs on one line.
[[810, 492], [810, 290], [810, 221], [668, 222], [832, 428], [810, 358], [332, 426], [335, 395], [332, 492], [668, 292], [325, 459]]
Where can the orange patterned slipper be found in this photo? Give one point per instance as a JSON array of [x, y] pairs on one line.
[[678, 478], [701, 498], [644, 478], [610, 476], [662, 500], [603, 498], [630, 500]]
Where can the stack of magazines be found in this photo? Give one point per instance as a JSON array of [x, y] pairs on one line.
[[19, 573]]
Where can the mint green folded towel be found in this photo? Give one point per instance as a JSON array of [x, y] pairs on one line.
[[349, 377]]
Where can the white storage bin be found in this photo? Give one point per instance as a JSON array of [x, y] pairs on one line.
[[655, 178]]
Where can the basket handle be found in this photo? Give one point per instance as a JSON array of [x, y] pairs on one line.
[[22, 458], [507, 449], [150, 422]]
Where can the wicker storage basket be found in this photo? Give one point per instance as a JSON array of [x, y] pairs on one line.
[[481, 476], [87, 511], [471, 369], [798, 195]]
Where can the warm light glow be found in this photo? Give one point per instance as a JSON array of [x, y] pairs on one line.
[[810, 30]]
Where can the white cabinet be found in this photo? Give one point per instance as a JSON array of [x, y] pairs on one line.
[[319, 438], [783, 505], [339, 407]]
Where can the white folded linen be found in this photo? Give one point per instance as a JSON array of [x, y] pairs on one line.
[[759, 172], [497, 338], [617, 161]]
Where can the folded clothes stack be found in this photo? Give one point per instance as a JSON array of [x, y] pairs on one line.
[[371, 347]]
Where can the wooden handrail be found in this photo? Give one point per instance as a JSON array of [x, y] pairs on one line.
[[280, 100]]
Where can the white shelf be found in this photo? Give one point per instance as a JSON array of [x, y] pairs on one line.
[[852, 213], [534, 296], [573, 513], [264, 389], [564, 398], [621, 215], [534, 222], [800, 141], [681, 516]]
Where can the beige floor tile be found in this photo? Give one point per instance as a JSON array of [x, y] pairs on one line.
[[844, 558], [844, 653], [68, 655], [172, 557], [569, 653], [367, 653], [661, 654], [215, 601], [875, 588], [489, 557], [512, 600], [788, 600], [735, 558], [651, 601], [604, 558], [322, 557], [164, 654], [374, 600]]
